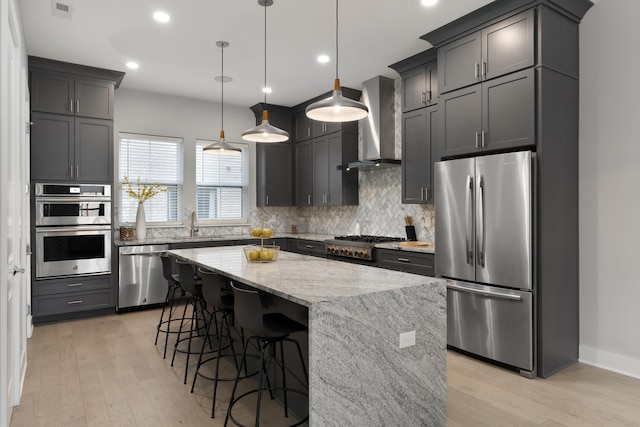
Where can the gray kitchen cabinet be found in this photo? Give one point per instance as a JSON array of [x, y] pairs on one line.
[[419, 135], [331, 186], [71, 95], [274, 174], [493, 115], [303, 126], [304, 173], [65, 148], [409, 262], [308, 247], [420, 87], [499, 49]]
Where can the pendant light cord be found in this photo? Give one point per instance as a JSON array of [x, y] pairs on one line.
[[264, 89], [222, 86], [336, 39]]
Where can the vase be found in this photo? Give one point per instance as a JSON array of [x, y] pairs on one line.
[[141, 223]]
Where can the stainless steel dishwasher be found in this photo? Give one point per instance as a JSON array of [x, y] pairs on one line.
[[140, 279]]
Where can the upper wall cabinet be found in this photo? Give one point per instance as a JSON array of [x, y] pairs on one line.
[[274, 170], [420, 87], [76, 96], [499, 49]]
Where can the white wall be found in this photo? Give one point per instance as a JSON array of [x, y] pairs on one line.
[[609, 186]]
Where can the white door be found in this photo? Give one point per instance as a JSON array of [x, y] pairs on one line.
[[13, 304]]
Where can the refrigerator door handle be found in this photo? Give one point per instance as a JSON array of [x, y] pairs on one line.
[[481, 228], [487, 293], [469, 219]]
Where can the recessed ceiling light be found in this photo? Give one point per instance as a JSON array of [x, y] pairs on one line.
[[133, 65], [161, 16], [323, 59], [267, 90], [428, 2]]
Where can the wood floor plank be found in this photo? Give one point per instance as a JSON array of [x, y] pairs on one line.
[[107, 372]]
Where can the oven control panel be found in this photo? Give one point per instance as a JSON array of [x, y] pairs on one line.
[[347, 251]]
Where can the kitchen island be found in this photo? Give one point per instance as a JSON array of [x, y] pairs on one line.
[[358, 374]]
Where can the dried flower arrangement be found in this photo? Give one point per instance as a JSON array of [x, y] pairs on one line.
[[142, 192]]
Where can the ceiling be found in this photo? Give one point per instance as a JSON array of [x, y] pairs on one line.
[[181, 58]]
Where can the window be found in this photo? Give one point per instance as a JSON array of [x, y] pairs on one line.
[[221, 184], [152, 160]]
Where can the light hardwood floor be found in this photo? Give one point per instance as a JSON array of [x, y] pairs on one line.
[[106, 371]]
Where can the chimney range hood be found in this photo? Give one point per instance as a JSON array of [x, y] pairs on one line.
[[378, 128]]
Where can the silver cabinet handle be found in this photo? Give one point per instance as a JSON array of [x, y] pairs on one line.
[[308, 199], [426, 193], [404, 260], [77, 106], [483, 133], [308, 131], [484, 68], [75, 302], [484, 292], [267, 200], [77, 171], [71, 105], [74, 285], [309, 246], [424, 97], [70, 171], [475, 70], [477, 138]]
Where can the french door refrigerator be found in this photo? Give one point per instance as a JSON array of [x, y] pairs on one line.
[[484, 235]]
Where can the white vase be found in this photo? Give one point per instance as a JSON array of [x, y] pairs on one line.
[[141, 223]]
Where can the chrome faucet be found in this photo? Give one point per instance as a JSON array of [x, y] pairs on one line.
[[194, 227]]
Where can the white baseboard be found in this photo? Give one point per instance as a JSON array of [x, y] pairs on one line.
[[610, 361]]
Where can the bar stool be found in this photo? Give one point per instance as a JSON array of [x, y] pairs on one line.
[[267, 330], [219, 304], [169, 306], [196, 324]]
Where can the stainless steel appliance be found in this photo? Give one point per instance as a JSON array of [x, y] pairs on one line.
[[140, 280], [73, 251], [484, 232], [72, 204], [359, 249]]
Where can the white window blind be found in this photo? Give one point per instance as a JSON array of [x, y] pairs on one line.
[[153, 160], [221, 183]]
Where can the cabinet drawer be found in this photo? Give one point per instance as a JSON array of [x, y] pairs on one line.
[[409, 262], [71, 285], [309, 247], [72, 302]]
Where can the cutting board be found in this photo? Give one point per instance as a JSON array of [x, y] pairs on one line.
[[423, 244]]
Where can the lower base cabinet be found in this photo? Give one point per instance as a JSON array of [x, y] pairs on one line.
[[408, 262], [308, 247]]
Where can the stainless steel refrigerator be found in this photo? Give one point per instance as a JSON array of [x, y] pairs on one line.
[[484, 237]]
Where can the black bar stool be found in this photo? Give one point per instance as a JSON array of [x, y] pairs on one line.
[[170, 303], [220, 305], [197, 323], [267, 330]]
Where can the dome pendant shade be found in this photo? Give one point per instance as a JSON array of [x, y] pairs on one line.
[[222, 147], [265, 132], [337, 108]]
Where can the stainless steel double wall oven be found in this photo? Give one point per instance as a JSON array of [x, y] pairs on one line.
[[73, 229]]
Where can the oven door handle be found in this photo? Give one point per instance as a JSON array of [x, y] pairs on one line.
[[76, 228], [148, 253], [87, 199]]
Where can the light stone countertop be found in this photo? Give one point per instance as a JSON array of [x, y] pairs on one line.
[[302, 279], [195, 239]]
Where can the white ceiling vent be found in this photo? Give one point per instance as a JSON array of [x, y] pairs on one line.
[[61, 10]]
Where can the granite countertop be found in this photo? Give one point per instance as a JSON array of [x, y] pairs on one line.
[[398, 247], [194, 239], [302, 279]]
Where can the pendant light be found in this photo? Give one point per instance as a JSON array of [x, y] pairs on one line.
[[265, 132], [337, 108], [222, 146]]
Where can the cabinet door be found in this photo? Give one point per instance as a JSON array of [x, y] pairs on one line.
[[93, 150], [94, 98], [431, 79], [509, 45], [320, 171], [302, 127], [459, 62], [508, 109], [460, 121], [51, 93], [304, 173], [419, 131], [52, 147], [274, 174], [414, 90]]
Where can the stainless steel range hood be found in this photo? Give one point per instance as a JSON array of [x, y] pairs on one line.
[[378, 128]]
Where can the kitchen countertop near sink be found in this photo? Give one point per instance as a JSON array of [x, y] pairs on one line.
[[194, 239], [398, 247]]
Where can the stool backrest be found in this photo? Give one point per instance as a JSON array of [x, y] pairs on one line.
[[187, 277], [167, 272], [212, 284], [247, 309]]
